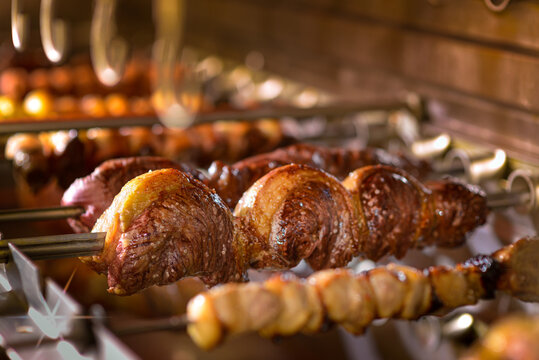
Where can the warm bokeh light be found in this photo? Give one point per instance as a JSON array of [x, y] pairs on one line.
[[38, 103], [7, 106]]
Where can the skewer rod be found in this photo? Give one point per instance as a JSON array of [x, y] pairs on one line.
[[54, 239], [495, 201], [52, 213], [449, 170], [55, 246], [174, 323], [297, 112], [252, 114]]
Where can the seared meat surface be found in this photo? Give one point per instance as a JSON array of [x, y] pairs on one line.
[[96, 191], [231, 181], [165, 225]]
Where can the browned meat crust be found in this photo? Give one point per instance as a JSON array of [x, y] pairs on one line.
[[376, 211], [229, 181], [96, 191], [165, 225], [285, 305], [297, 212]]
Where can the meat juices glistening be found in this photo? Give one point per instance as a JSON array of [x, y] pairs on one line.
[[166, 225]]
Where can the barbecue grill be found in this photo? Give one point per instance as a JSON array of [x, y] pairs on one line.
[[449, 83]]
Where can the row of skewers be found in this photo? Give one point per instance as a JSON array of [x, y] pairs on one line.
[[41, 105], [73, 92], [130, 199], [230, 182]]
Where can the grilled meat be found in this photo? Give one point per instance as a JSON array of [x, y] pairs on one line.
[[96, 191], [286, 305], [229, 181], [294, 212], [163, 226], [512, 338]]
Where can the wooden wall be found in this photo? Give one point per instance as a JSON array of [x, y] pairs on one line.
[[479, 70]]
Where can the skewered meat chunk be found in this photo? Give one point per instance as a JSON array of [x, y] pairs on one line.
[[229, 181], [523, 256], [400, 212], [96, 191], [30, 163], [13, 82], [354, 301], [165, 225], [65, 153], [346, 299], [297, 212], [301, 307]]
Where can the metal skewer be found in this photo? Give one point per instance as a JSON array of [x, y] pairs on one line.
[[50, 213], [85, 244], [173, 323], [504, 199], [55, 246], [336, 110], [494, 201]]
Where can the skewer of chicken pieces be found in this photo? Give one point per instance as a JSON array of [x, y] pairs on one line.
[[165, 225], [285, 305], [512, 338]]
